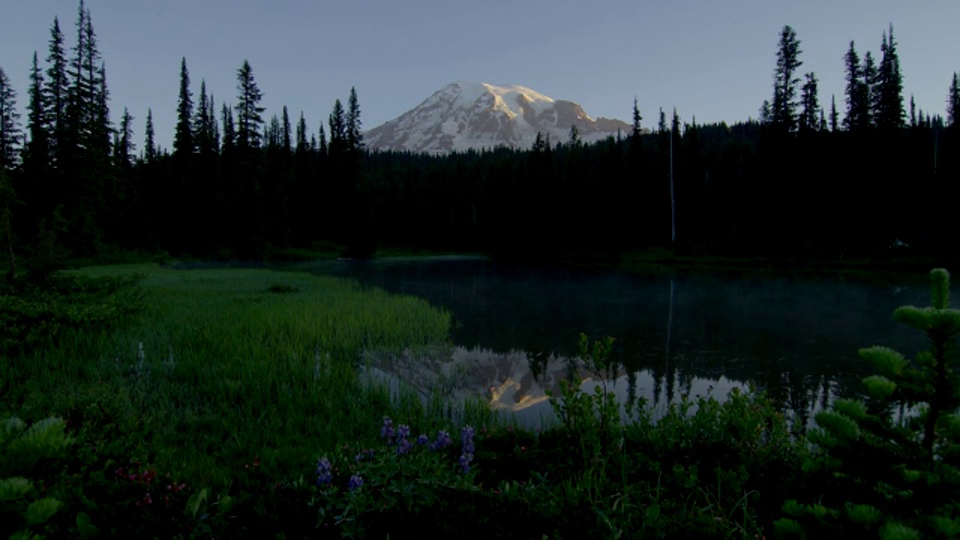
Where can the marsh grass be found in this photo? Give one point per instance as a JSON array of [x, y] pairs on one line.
[[204, 414], [220, 370]]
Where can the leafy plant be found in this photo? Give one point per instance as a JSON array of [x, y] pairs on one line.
[[890, 464], [23, 509], [400, 480]]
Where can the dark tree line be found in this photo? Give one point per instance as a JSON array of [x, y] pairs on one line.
[[798, 182]]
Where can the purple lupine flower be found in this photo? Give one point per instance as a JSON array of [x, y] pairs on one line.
[[423, 440], [387, 430], [466, 438], [402, 439], [464, 461], [324, 472], [355, 482], [443, 440]]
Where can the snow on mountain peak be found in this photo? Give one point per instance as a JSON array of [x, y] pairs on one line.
[[466, 115]]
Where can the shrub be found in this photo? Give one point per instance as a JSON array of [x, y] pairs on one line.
[[890, 465]]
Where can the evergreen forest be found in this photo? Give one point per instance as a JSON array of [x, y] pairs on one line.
[[803, 180]]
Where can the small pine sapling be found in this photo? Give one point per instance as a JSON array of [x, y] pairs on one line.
[[889, 465]]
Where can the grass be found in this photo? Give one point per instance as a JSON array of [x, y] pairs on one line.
[[225, 366], [206, 413]]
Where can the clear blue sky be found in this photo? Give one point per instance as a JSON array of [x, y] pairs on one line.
[[711, 59]]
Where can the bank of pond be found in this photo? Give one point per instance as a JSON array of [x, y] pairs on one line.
[[400, 397]]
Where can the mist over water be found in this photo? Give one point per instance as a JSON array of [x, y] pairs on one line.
[[679, 333]]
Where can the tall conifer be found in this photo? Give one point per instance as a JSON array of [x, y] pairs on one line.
[[9, 124], [834, 115], [249, 119], [286, 141], [353, 125], [809, 115], [784, 104], [56, 89], [183, 139], [857, 93], [338, 130], [149, 144], [37, 149], [870, 83], [953, 102], [890, 114], [125, 147]]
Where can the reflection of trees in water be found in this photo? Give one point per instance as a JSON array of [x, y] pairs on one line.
[[795, 338]]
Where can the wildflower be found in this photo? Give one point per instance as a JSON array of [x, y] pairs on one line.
[[443, 440], [466, 456], [466, 437], [387, 430], [324, 472], [423, 440], [402, 439], [355, 482]]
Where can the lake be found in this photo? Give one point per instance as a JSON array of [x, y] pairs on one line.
[[677, 333]]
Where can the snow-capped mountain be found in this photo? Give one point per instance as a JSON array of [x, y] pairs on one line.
[[462, 116]]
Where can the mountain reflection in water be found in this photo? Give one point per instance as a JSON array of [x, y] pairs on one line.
[[680, 334]]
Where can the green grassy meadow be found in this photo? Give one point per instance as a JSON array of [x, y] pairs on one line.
[[229, 403], [223, 366]]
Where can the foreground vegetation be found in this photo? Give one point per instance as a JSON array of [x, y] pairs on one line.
[[230, 403]]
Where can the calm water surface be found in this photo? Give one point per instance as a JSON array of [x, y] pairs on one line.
[[676, 334]]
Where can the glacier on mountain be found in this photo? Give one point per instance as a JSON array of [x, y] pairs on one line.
[[462, 116]]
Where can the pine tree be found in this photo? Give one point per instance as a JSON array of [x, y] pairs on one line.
[[37, 150], [102, 128], [202, 123], [834, 116], [286, 142], [84, 99], [249, 119], [9, 124], [56, 90], [953, 103], [574, 140], [229, 131], [302, 144], [635, 130], [322, 147], [353, 126], [125, 148], [891, 462], [889, 111], [149, 144], [857, 93], [809, 120], [662, 123], [870, 84], [766, 112], [183, 139], [214, 124], [784, 104], [271, 133], [913, 112], [338, 130]]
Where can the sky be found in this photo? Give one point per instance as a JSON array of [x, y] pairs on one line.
[[711, 59]]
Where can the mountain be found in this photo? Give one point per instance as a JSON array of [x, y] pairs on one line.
[[462, 116]]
